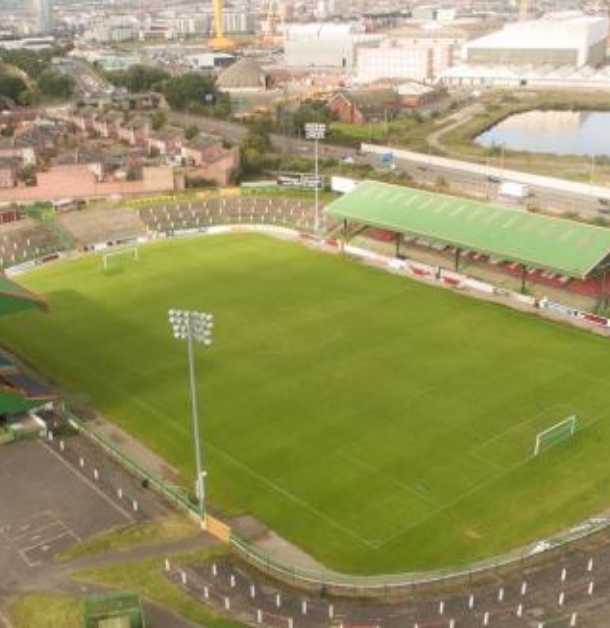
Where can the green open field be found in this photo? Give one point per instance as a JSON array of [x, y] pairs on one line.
[[381, 424]]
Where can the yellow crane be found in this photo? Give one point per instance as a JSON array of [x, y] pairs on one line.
[[219, 41]]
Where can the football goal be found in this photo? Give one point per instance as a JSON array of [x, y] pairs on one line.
[[555, 434], [130, 252]]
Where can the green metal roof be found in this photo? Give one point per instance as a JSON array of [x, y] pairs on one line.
[[12, 403], [562, 246], [14, 298]]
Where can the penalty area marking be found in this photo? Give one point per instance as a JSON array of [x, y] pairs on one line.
[[372, 544]]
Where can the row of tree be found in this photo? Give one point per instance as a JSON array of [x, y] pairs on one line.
[[192, 91], [26, 77]]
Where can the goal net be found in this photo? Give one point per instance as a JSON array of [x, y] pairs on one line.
[[555, 434], [129, 252]]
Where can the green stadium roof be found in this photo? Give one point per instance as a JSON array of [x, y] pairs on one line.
[[562, 246], [14, 298]]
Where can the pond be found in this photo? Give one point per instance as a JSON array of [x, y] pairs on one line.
[[584, 133]]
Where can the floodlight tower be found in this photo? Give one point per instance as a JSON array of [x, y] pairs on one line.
[[194, 326], [316, 131]]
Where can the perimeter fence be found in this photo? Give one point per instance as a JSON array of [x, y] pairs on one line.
[[173, 494], [387, 586]]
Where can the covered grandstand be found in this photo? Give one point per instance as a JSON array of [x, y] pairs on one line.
[[538, 248], [19, 390]]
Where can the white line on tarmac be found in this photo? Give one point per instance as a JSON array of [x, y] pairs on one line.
[[89, 484]]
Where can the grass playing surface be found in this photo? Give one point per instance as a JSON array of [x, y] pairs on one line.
[[381, 424]]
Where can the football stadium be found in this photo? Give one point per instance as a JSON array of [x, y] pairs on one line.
[[375, 414]]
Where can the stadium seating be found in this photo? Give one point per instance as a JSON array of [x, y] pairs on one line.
[[97, 226], [24, 240], [172, 217]]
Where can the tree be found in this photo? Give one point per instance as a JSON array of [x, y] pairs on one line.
[[139, 78], [191, 131], [311, 111], [12, 86], [189, 89], [255, 152], [32, 63], [158, 120], [55, 84]]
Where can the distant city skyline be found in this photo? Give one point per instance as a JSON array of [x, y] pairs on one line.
[[43, 11]]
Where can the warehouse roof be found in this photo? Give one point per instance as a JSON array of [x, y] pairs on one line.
[[562, 246]]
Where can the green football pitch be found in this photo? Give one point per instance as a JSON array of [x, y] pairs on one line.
[[380, 424]]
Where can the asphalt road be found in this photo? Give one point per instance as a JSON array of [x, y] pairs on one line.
[[548, 198]]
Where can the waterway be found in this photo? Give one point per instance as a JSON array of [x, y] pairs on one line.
[[583, 133]]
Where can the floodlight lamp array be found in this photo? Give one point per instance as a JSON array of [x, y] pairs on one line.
[[197, 325], [315, 131]]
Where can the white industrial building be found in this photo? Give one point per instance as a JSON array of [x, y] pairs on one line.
[[325, 45], [418, 61], [114, 28], [541, 77], [559, 39]]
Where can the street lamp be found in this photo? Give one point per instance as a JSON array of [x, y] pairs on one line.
[[194, 327], [316, 131]]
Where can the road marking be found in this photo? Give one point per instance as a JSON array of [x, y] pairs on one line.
[[44, 546], [90, 484]]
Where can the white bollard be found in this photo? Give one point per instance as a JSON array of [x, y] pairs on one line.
[[500, 594], [304, 607], [167, 566], [252, 591], [486, 619], [259, 616], [573, 618], [564, 574], [441, 607], [520, 610], [135, 506], [232, 581], [452, 623], [96, 474], [227, 604], [331, 611], [183, 577], [81, 462], [62, 445], [561, 599], [590, 588], [590, 565], [471, 601], [290, 623], [278, 600], [206, 593], [214, 570], [119, 493], [50, 436], [523, 587]]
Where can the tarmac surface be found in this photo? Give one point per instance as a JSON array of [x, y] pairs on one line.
[[54, 493]]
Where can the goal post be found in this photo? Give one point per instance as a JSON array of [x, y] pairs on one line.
[[128, 251], [555, 434]]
